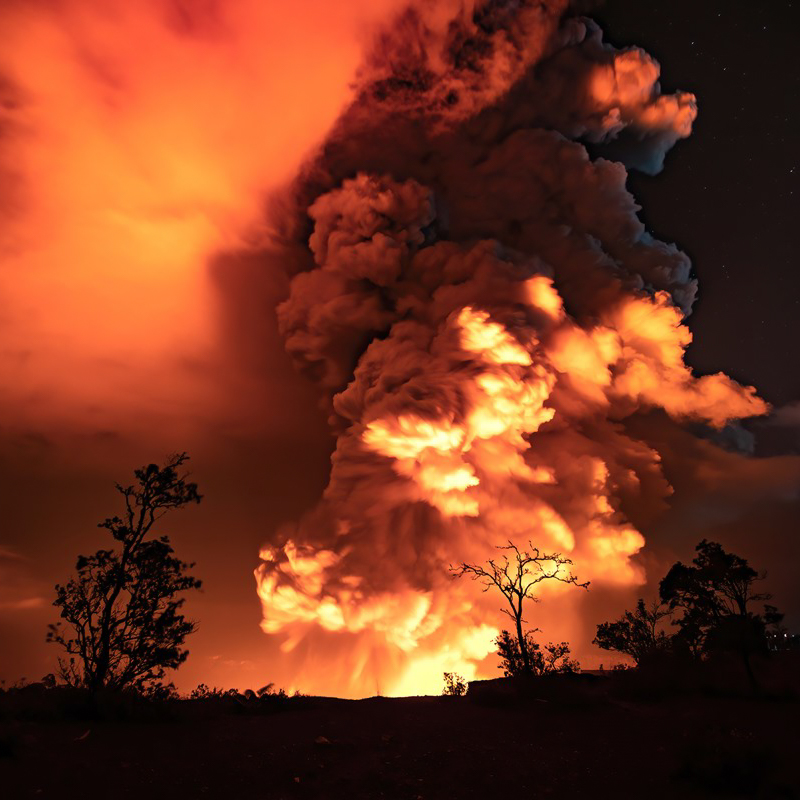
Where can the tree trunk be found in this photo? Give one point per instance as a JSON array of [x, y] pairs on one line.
[[751, 676], [523, 645], [103, 659]]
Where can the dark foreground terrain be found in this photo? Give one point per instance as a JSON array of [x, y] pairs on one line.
[[575, 738]]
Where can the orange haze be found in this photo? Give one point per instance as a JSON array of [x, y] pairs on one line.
[[137, 140]]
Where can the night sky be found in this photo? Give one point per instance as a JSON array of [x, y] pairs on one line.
[[728, 196]]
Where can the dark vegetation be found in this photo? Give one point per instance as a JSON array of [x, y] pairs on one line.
[[713, 607], [454, 685], [122, 609], [636, 633], [516, 578], [708, 707]]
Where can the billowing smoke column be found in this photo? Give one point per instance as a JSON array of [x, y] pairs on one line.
[[484, 314]]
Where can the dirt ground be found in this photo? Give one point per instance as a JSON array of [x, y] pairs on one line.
[[486, 745]]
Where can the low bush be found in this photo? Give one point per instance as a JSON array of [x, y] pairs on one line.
[[454, 685]]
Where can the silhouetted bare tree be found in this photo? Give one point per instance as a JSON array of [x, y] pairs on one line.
[[636, 633], [516, 579], [123, 607]]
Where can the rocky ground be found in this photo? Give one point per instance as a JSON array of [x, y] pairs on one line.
[[577, 740]]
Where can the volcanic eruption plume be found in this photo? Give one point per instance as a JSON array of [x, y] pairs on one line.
[[484, 314]]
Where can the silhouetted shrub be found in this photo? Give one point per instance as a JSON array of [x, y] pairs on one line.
[[36, 702], [636, 632], [553, 659], [659, 676], [131, 706], [454, 685], [162, 702], [202, 692]]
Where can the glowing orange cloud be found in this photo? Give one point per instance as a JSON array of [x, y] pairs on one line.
[[138, 139], [486, 404]]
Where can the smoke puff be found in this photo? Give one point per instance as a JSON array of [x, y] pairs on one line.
[[447, 60]]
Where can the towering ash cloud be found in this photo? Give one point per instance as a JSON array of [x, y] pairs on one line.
[[484, 314]]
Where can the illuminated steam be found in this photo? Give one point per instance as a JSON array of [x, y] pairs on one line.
[[484, 313]]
